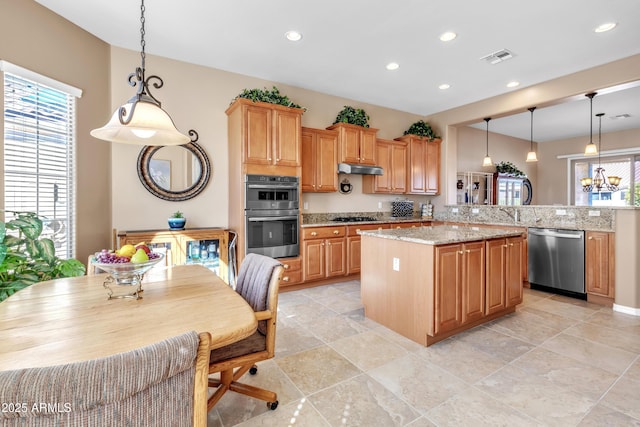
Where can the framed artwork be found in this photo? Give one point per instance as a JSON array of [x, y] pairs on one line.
[[160, 171]]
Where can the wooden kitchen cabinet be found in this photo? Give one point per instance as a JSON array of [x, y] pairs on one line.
[[319, 160], [186, 246], [292, 271], [599, 266], [354, 245], [356, 144], [459, 285], [270, 133], [504, 273], [392, 157], [423, 168], [323, 252]]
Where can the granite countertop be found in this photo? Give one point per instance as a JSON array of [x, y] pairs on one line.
[[442, 234], [324, 222]]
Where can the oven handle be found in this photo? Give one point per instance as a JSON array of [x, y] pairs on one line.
[[273, 187], [271, 218]]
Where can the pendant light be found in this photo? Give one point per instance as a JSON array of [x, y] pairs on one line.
[[141, 120], [600, 182], [487, 160], [591, 149], [531, 155]]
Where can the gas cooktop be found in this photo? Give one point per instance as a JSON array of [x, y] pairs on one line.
[[353, 218]]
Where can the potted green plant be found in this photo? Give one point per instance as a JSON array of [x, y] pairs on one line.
[[272, 96], [508, 168], [354, 116], [177, 221], [423, 129], [26, 258]]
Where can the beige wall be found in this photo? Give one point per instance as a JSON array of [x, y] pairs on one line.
[[552, 180], [41, 41]]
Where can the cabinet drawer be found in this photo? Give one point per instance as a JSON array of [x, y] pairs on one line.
[[323, 232], [352, 230], [291, 278], [405, 225], [291, 264]]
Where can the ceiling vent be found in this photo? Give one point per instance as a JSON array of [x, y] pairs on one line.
[[496, 57], [620, 117]]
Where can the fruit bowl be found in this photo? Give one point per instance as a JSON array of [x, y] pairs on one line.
[[126, 274]]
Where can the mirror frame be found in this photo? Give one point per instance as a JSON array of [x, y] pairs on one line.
[[147, 153]]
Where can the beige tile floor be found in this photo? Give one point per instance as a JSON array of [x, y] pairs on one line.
[[555, 362]]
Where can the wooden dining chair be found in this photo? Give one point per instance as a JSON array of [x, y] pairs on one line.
[[258, 283], [163, 384]]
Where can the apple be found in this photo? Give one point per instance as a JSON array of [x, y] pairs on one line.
[[143, 247]]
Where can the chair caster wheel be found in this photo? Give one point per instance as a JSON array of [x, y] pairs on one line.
[[272, 405], [253, 370]]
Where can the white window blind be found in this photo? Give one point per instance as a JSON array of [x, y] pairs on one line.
[[39, 156]]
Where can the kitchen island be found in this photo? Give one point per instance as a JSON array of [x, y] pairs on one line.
[[429, 283]]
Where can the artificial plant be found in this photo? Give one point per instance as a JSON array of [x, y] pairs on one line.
[[272, 96], [421, 128], [354, 116]]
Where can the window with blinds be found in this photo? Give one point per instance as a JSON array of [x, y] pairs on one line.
[[39, 147]]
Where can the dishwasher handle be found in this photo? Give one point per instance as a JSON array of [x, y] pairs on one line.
[[551, 233]]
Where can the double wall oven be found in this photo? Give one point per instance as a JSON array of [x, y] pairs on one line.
[[272, 215]]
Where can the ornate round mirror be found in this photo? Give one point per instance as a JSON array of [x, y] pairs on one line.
[[174, 173]]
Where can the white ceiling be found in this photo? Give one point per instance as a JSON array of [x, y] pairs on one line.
[[347, 43]]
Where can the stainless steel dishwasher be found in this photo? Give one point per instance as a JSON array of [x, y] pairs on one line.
[[556, 259]]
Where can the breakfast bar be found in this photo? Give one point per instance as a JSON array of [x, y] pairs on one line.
[[429, 283]]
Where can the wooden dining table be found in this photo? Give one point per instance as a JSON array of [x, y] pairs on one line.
[[71, 319]]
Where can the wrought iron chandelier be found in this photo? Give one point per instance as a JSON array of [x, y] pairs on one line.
[[141, 120], [600, 182]]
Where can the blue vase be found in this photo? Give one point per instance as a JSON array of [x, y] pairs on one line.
[[177, 223]]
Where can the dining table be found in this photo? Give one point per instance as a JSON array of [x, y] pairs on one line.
[[72, 320]]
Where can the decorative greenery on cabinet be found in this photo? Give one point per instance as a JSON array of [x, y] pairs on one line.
[[272, 96], [354, 116], [509, 168], [422, 128]]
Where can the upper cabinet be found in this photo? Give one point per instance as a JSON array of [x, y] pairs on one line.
[[423, 164], [356, 144], [319, 160], [392, 157], [270, 133]]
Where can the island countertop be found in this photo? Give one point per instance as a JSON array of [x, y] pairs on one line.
[[441, 234]]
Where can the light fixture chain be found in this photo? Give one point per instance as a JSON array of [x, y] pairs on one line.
[[142, 32]]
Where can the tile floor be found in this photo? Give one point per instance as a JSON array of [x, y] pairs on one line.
[[557, 361]]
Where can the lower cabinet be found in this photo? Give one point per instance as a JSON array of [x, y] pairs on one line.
[[504, 273], [292, 271], [599, 264], [353, 244], [324, 252], [459, 285]]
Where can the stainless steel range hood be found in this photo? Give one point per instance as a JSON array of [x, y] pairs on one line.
[[355, 169]]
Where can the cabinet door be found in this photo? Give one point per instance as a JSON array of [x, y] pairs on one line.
[[367, 155], [417, 164], [258, 135], [308, 179], [496, 259], [349, 145], [314, 259], [432, 171], [448, 292], [383, 183], [597, 262], [326, 163], [353, 254], [513, 274], [336, 256], [398, 166], [473, 282], [287, 138]]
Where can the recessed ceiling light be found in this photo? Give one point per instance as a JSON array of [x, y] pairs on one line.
[[448, 36], [294, 36], [444, 86], [608, 26], [513, 84], [392, 66]]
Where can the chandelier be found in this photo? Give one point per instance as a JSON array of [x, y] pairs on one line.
[[600, 182], [141, 120]]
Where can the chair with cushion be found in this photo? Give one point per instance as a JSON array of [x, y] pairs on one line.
[[163, 384], [258, 283]]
